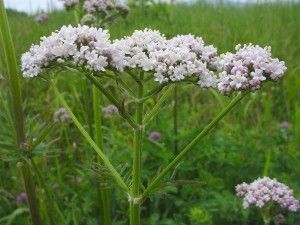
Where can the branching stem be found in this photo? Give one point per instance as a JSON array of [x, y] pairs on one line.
[[196, 140]]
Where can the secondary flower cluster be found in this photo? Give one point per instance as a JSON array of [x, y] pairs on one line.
[[266, 190], [248, 68], [70, 3], [41, 17], [184, 57], [100, 12], [82, 46], [92, 6]]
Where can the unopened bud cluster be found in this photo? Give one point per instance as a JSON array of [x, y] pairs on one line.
[[181, 58]]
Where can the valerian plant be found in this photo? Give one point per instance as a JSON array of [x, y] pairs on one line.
[[148, 59]]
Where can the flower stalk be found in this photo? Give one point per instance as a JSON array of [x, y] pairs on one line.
[[196, 140], [102, 191], [113, 100], [175, 120], [266, 216], [98, 150], [14, 87], [138, 140], [157, 106]]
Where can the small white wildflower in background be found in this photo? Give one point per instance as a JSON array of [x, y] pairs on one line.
[[92, 6], [104, 12], [109, 110], [280, 219], [154, 136], [41, 18], [266, 190], [88, 19], [70, 3], [55, 185], [61, 115], [248, 68], [21, 198], [123, 8], [284, 125]]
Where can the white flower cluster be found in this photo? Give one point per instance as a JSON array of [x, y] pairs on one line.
[[184, 57], [82, 46], [171, 60], [248, 68], [265, 190], [92, 6]]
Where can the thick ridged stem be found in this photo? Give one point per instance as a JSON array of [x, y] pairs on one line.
[[14, 87], [102, 191], [136, 174], [30, 191]]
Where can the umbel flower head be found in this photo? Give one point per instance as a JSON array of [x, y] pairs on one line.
[[169, 60], [181, 58], [81, 46], [264, 191], [248, 68]]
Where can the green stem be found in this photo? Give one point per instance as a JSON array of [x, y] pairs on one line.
[[103, 192], [14, 87], [267, 163], [265, 213], [136, 175], [199, 137], [76, 16], [49, 195], [113, 100], [30, 191], [175, 120], [157, 106], [12, 66], [88, 138]]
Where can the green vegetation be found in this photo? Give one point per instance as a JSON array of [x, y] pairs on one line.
[[250, 142]]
